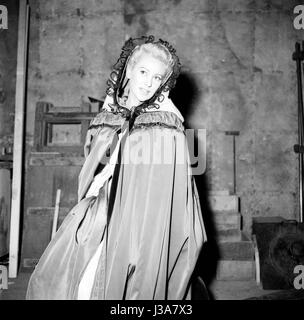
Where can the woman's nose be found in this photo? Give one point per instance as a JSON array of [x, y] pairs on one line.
[[149, 81]]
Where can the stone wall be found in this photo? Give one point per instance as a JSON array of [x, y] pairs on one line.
[[8, 63], [238, 75]]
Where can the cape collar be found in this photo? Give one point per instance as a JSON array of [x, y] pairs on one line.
[[165, 105]]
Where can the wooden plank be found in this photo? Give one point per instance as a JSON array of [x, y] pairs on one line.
[[41, 109], [23, 25], [257, 260], [3, 277], [54, 159], [48, 211], [5, 200]]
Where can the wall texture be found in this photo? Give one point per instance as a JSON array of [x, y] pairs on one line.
[[238, 75], [8, 62]]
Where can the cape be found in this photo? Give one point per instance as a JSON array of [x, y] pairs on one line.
[[148, 217]]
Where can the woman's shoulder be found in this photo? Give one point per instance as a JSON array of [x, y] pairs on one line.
[[105, 117], [166, 115], [160, 118], [147, 119]]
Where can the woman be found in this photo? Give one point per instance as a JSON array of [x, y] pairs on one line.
[[137, 229]]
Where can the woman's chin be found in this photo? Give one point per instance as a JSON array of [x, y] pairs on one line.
[[144, 98]]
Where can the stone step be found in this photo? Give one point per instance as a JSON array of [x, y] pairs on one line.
[[219, 192], [227, 220], [236, 259], [224, 203], [236, 250], [229, 235], [235, 270]]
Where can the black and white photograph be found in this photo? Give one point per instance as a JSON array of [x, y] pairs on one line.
[[151, 151]]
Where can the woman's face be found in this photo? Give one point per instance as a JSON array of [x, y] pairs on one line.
[[145, 78]]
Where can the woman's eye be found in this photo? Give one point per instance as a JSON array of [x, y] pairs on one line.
[[158, 78], [142, 71]]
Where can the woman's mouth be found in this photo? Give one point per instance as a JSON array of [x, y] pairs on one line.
[[144, 91]]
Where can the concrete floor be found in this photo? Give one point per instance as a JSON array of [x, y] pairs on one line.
[[237, 290], [16, 287], [221, 290]]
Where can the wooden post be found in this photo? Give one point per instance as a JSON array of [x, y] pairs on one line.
[[298, 56], [3, 277], [257, 260], [18, 137]]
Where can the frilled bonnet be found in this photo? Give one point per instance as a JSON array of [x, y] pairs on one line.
[[117, 82]]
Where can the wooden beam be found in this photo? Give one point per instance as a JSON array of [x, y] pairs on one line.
[[18, 137]]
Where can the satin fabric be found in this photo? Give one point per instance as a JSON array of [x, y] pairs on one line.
[[150, 220]]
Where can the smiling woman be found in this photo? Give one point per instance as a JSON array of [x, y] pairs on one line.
[[145, 78], [149, 67], [137, 229]]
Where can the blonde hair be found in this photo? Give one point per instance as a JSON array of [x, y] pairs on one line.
[[157, 51]]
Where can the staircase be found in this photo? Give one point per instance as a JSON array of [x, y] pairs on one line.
[[236, 250]]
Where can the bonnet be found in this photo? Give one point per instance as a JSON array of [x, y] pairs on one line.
[[117, 81]]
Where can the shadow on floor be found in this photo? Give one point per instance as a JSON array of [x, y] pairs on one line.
[[223, 290], [282, 295]]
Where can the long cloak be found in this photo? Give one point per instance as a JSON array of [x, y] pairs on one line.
[[148, 216]]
